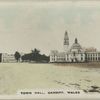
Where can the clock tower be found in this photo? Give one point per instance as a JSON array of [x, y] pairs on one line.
[[66, 41]]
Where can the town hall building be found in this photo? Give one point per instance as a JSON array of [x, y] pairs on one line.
[[74, 53]]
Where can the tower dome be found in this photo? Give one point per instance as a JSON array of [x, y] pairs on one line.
[[76, 47]]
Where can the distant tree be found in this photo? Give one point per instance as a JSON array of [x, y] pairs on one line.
[[17, 56], [35, 51], [27, 57], [35, 56]]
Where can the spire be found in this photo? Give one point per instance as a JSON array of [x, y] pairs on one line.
[[66, 41], [76, 41]]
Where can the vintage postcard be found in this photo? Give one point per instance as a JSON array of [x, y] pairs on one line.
[[49, 49]]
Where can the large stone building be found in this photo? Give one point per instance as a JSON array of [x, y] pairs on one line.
[[75, 53], [7, 58]]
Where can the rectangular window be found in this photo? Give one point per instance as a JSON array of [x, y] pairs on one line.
[[67, 58], [81, 58], [96, 58]]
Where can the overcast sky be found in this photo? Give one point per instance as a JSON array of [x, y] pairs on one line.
[[26, 25]]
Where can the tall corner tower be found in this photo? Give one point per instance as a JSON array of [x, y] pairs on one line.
[[66, 41]]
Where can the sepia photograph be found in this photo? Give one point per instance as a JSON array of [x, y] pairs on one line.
[[49, 48]]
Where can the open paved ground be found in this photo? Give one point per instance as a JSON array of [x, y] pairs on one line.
[[16, 76]]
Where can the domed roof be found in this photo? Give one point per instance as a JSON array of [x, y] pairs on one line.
[[76, 46]]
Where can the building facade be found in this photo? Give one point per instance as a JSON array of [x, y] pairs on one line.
[[7, 58], [75, 53]]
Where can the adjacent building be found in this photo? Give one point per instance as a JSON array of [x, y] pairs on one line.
[[74, 53], [5, 58]]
